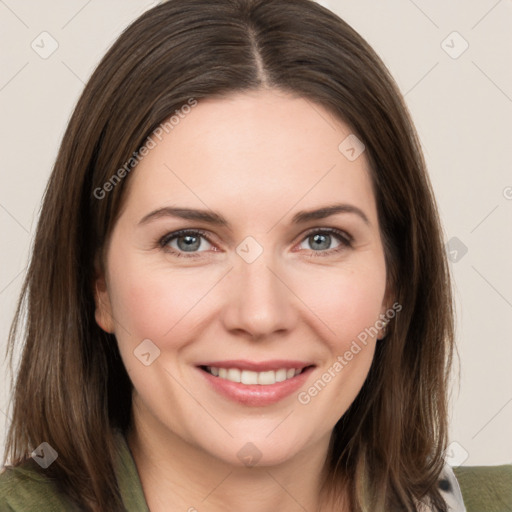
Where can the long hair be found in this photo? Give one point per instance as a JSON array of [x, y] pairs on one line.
[[71, 388]]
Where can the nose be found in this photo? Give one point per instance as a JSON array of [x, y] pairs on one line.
[[258, 300]]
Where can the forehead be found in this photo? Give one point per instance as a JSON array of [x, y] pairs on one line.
[[253, 153]]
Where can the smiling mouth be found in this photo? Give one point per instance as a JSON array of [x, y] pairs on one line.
[[248, 377]]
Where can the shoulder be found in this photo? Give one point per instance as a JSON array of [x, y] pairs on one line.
[[486, 488], [450, 489], [24, 488]]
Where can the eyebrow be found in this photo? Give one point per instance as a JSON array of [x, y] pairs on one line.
[[215, 219]]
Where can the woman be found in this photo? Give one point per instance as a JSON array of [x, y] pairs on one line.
[[238, 297]]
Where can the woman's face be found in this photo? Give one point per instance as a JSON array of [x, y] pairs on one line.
[[263, 281]]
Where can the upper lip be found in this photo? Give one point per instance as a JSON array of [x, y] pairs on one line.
[[261, 366]]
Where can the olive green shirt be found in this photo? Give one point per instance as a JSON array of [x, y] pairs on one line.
[[25, 489]]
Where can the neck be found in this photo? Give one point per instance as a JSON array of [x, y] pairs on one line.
[[179, 475]]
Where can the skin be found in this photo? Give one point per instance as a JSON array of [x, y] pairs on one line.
[[257, 159]]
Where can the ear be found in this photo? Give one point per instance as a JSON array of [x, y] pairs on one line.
[[103, 310], [387, 301], [385, 317]]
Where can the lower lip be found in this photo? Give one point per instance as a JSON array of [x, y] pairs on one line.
[[256, 395]]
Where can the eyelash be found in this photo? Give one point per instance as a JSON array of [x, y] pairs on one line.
[[344, 238]]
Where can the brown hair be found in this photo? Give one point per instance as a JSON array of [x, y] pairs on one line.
[[72, 389]]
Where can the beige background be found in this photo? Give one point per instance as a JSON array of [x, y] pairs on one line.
[[461, 103]]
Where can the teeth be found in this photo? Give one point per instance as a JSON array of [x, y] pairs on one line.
[[265, 378], [249, 377], [281, 375], [234, 374]]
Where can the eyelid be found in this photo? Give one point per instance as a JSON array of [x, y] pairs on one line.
[[338, 232]]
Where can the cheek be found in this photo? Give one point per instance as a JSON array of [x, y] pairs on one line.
[[151, 302], [345, 301], [347, 304]]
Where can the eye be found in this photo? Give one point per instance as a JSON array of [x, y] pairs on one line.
[[320, 240], [188, 242], [184, 241]]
